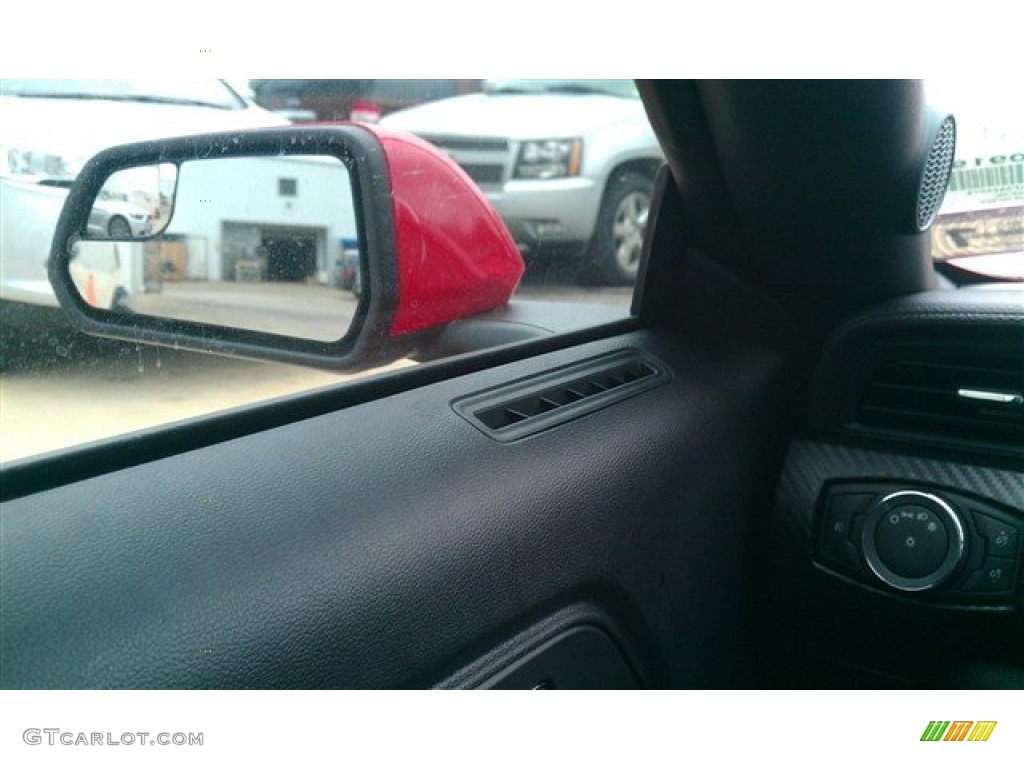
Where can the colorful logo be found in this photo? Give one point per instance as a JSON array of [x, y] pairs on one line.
[[958, 730]]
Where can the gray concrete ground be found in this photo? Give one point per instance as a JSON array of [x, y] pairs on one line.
[[318, 312]]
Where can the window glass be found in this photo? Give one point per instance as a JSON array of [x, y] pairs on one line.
[[980, 227], [575, 203], [574, 200]]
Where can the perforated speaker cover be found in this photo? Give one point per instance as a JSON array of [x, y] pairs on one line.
[[937, 169]]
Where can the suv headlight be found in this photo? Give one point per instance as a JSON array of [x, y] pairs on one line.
[[29, 165], [549, 159]]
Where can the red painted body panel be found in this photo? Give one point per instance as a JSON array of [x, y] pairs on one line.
[[455, 255]]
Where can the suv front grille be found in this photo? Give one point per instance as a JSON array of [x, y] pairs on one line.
[[485, 160], [483, 175], [468, 143]]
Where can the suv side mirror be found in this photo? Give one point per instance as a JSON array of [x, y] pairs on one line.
[[248, 243]]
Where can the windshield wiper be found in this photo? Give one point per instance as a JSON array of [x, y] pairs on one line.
[[507, 89], [580, 88], [48, 95], [117, 97], [169, 100]]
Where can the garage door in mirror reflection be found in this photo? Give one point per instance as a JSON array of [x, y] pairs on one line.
[[258, 243]]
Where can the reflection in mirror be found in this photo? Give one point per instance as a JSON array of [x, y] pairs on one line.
[[258, 243], [133, 204]]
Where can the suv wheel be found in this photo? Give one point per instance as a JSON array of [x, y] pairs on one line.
[[614, 253]]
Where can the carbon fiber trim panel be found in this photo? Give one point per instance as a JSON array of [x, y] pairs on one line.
[[810, 464]]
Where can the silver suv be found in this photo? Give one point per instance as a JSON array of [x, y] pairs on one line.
[[569, 164]]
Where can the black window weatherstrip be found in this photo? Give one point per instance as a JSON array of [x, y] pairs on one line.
[[23, 477]]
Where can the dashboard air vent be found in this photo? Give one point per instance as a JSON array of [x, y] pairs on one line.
[[525, 407], [963, 396]]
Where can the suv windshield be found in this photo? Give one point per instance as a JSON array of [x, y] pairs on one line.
[[205, 93], [625, 89]]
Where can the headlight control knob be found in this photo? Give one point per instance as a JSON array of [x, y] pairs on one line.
[[912, 540]]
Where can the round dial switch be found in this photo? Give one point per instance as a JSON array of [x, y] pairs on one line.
[[912, 540]]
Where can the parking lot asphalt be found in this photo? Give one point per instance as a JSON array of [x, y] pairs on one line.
[[59, 388]]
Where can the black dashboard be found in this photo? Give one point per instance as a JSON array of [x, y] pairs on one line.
[[893, 553]]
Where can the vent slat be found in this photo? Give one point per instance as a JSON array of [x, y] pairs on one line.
[[983, 370], [909, 388], [1010, 425], [916, 394], [939, 403]]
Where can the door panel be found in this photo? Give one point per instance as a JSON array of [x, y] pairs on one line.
[[390, 543]]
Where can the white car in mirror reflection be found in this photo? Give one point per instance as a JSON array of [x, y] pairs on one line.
[[49, 128], [118, 219]]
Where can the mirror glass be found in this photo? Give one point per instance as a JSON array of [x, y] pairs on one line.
[[258, 243], [133, 204]]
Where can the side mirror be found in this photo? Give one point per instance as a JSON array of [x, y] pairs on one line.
[[342, 248]]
